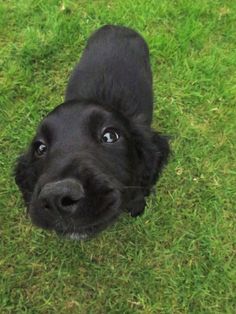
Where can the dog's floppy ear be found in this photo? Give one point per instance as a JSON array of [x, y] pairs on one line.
[[152, 151], [24, 175]]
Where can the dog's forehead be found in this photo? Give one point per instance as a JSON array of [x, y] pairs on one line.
[[75, 113], [75, 120]]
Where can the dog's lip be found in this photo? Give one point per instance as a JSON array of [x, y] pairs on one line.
[[84, 231]]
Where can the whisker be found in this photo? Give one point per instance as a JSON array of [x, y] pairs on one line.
[[133, 187]]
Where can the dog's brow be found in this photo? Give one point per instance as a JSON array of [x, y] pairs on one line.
[[96, 118], [46, 132]]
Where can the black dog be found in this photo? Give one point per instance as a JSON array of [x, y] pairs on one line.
[[96, 155]]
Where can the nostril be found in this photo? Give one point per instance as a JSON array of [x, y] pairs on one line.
[[67, 201], [68, 205], [46, 204], [47, 207]]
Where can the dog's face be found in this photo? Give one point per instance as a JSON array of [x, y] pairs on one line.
[[84, 166]]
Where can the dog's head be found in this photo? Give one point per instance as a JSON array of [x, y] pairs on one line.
[[85, 165]]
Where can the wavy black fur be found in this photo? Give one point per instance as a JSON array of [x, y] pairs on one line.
[[111, 87]]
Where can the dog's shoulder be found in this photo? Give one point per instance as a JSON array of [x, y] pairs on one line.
[[120, 36]]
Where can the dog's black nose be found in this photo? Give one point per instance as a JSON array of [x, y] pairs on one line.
[[61, 196]]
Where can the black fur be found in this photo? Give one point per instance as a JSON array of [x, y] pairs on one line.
[[111, 87]]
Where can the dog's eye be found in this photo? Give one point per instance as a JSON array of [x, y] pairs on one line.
[[39, 148], [110, 136]]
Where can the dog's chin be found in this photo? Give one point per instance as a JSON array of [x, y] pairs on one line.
[[76, 231], [79, 236]]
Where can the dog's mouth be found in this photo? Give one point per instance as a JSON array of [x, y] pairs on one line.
[[77, 232], [90, 215]]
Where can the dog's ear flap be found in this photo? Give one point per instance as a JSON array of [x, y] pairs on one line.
[[152, 152], [24, 176]]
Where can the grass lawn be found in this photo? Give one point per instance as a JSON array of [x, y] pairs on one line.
[[179, 257]]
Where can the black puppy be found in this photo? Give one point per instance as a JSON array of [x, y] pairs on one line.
[[96, 155]]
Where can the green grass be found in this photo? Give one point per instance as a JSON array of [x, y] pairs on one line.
[[179, 257]]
